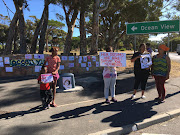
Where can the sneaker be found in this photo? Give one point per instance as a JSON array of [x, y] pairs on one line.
[[143, 97], [161, 101], [113, 100], [133, 96], [48, 106], [107, 101]]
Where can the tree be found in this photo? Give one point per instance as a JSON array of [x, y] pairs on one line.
[[113, 20], [53, 29], [71, 9], [18, 17], [96, 10]]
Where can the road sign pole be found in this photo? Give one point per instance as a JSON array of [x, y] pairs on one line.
[[168, 44], [134, 43]]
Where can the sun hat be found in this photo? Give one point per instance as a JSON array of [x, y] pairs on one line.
[[164, 48]]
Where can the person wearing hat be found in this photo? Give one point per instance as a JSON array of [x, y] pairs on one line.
[[161, 66]]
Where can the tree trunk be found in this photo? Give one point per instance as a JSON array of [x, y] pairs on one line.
[[47, 41], [94, 44], [36, 33], [11, 33], [15, 39], [68, 41], [83, 45], [23, 45], [70, 25], [44, 28]]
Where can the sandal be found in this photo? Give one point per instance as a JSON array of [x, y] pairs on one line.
[[53, 105]]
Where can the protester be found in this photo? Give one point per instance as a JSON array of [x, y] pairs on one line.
[[53, 67], [149, 48], [45, 91], [109, 76], [141, 75], [160, 70]]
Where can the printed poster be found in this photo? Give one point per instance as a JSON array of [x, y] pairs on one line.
[[87, 68], [85, 59], [6, 60], [80, 59], [67, 84], [38, 56], [38, 68], [46, 78], [83, 64], [146, 61], [93, 58], [1, 64], [9, 69], [97, 64], [1, 58], [28, 56], [71, 58], [89, 64], [89, 57], [112, 59], [61, 67], [71, 64], [63, 57]]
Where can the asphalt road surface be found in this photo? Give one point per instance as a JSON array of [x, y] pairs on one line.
[[170, 127]]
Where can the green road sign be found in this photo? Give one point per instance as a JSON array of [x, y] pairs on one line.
[[152, 27]]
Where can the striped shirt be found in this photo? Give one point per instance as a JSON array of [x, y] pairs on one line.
[[160, 67]]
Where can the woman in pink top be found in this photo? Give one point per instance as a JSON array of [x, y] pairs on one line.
[[109, 76], [53, 67]]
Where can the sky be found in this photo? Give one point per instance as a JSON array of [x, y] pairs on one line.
[[36, 9]]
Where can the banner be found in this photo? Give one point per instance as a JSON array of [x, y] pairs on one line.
[[146, 61], [26, 62], [46, 78], [112, 59]]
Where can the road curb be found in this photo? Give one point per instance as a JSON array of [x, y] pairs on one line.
[[140, 124]]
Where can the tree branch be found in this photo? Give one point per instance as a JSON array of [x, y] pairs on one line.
[[105, 7]]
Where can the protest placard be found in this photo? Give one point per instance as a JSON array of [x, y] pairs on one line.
[[112, 59], [46, 78], [146, 61]]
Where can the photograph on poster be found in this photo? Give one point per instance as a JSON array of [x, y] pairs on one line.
[[89, 57], [67, 83], [146, 61], [112, 59], [47, 78]]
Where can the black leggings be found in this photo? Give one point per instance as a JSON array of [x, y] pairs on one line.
[[46, 96], [141, 77]]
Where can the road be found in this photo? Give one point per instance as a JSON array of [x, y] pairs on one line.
[[170, 127], [173, 56]]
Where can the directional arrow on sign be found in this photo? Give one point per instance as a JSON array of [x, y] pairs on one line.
[[134, 28]]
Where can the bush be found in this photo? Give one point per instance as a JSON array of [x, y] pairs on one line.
[[123, 49]]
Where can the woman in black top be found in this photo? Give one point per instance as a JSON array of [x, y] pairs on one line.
[[141, 75]]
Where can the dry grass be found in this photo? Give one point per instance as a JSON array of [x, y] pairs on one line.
[[175, 69]]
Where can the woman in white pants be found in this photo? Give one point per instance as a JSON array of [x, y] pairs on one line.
[[109, 76]]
